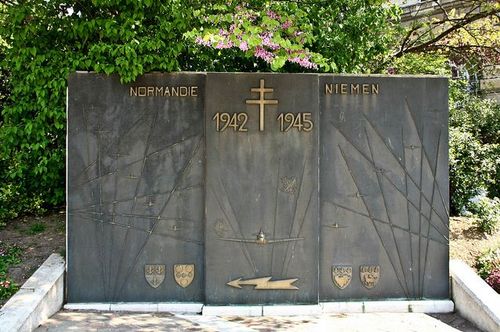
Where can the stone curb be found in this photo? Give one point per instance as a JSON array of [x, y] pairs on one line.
[[474, 299], [389, 306], [40, 297]]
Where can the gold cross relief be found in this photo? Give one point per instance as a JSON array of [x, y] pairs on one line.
[[262, 101]]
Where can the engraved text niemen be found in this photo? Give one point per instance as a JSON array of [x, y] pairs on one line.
[[351, 89]]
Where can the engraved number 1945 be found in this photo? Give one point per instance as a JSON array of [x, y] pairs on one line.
[[300, 121]]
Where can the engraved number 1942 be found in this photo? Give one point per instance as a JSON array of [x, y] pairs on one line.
[[300, 121], [237, 121]]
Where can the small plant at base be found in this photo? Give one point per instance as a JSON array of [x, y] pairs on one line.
[[8, 257], [36, 228], [487, 213], [487, 262], [494, 280]]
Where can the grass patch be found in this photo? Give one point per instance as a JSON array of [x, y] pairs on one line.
[[36, 228]]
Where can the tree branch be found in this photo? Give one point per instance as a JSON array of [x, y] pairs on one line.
[[461, 24]]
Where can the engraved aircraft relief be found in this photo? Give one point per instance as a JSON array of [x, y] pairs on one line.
[[261, 239]]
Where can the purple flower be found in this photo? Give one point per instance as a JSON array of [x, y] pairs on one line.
[[273, 15], [244, 46], [286, 24], [304, 62], [222, 45], [200, 41], [263, 54], [266, 41]]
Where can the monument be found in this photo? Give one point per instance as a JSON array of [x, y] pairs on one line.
[[257, 188]]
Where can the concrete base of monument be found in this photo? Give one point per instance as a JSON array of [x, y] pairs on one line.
[[393, 306], [427, 306], [180, 308], [40, 297], [475, 300]]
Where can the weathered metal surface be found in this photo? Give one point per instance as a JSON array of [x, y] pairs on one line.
[[262, 190], [317, 186], [135, 186], [384, 186]]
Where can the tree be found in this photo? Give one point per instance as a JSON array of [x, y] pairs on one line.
[[46, 40], [465, 31]]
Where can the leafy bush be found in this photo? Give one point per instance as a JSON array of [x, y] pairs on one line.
[[8, 257], [469, 169], [487, 213], [487, 262], [494, 280], [13, 201], [474, 147], [46, 40]]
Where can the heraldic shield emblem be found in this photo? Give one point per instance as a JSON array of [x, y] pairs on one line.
[[341, 275], [184, 274], [155, 274], [369, 274]]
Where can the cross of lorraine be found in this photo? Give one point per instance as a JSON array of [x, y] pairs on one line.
[[262, 101]]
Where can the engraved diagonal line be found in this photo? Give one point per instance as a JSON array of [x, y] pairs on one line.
[[297, 195], [130, 215], [445, 205], [82, 208], [100, 235], [78, 185], [381, 221], [81, 173], [388, 179], [121, 225], [403, 167], [124, 134], [111, 244], [420, 219], [178, 180], [244, 249], [430, 215], [406, 290], [109, 148], [370, 215], [275, 213], [168, 147], [234, 221], [124, 244], [300, 230], [410, 243]]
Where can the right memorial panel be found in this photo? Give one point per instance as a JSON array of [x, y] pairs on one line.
[[383, 187]]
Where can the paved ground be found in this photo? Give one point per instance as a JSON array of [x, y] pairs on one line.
[[113, 321]]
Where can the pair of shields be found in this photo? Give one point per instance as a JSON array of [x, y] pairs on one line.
[[342, 275], [155, 274]]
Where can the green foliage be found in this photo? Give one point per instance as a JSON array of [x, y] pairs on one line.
[[338, 36], [418, 64], [487, 262], [8, 257], [474, 147], [487, 212], [355, 36], [469, 169], [36, 228], [275, 33], [46, 40]]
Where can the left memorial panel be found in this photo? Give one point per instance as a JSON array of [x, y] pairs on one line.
[[135, 178]]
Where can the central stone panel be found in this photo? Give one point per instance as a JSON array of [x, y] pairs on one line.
[[261, 236]]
